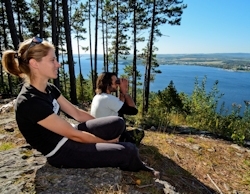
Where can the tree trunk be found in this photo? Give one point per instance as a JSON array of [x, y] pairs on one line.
[[106, 42], [80, 67], [69, 53], [12, 26], [96, 43], [90, 51], [148, 69], [13, 33], [117, 37], [103, 39], [54, 37], [19, 25], [134, 78], [41, 7]]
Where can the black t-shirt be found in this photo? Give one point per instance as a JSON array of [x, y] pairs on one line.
[[33, 106]]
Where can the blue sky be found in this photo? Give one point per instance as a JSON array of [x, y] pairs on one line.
[[207, 26]]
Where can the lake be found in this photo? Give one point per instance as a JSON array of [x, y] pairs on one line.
[[234, 85]]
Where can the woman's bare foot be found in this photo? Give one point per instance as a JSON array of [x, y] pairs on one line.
[[157, 174]]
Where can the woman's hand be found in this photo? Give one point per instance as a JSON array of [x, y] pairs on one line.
[[116, 140], [123, 85]]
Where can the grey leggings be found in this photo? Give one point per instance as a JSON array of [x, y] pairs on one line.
[[91, 155]]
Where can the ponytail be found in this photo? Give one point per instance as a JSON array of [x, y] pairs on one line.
[[14, 65], [10, 63]]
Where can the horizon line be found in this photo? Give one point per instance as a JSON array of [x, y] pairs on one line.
[[180, 53]]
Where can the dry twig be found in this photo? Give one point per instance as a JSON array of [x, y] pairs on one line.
[[214, 184]]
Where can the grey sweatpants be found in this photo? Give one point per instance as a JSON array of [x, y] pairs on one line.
[[91, 155]]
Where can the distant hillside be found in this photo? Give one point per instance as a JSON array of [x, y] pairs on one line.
[[198, 55], [240, 55], [210, 55], [232, 61]]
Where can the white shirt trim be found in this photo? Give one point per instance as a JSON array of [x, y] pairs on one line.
[[58, 146]]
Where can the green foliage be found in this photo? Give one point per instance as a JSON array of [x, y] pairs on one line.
[[163, 106], [128, 72], [203, 106], [149, 119], [240, 126], [156, 115], [6, 146], [199, 110], [10, 85], [204, 116], [170, 99], [64, 82], [4, 85], [84, 92]]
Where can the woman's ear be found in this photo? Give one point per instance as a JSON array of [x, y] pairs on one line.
[[33, 63]]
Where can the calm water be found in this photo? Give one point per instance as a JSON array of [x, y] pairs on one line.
[[234, 85]]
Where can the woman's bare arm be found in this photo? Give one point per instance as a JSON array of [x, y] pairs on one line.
[[73, 111], [62, 127]]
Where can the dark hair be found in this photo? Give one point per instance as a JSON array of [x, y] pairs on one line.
[[17, 62], [104, 81]]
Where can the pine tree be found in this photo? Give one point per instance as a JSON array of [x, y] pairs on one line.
[[170, 98]]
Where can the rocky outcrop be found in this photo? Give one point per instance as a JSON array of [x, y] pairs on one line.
[[24, 170], [18, 170], [7, 106]]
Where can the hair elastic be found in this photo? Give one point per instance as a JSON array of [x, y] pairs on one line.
[[16, 55]]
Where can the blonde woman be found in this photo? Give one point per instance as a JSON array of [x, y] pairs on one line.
[[91, 143]]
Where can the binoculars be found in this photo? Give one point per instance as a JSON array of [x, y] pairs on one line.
[[117, 81]]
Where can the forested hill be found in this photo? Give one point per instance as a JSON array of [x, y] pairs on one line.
[[233, 61], [210, 55]]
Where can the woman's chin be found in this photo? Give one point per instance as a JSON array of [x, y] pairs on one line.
[[54, 77]]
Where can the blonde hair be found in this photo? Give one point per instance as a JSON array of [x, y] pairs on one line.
[[17, 63]]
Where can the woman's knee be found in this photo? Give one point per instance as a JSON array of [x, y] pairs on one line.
[[116, 123], [120, 123]]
